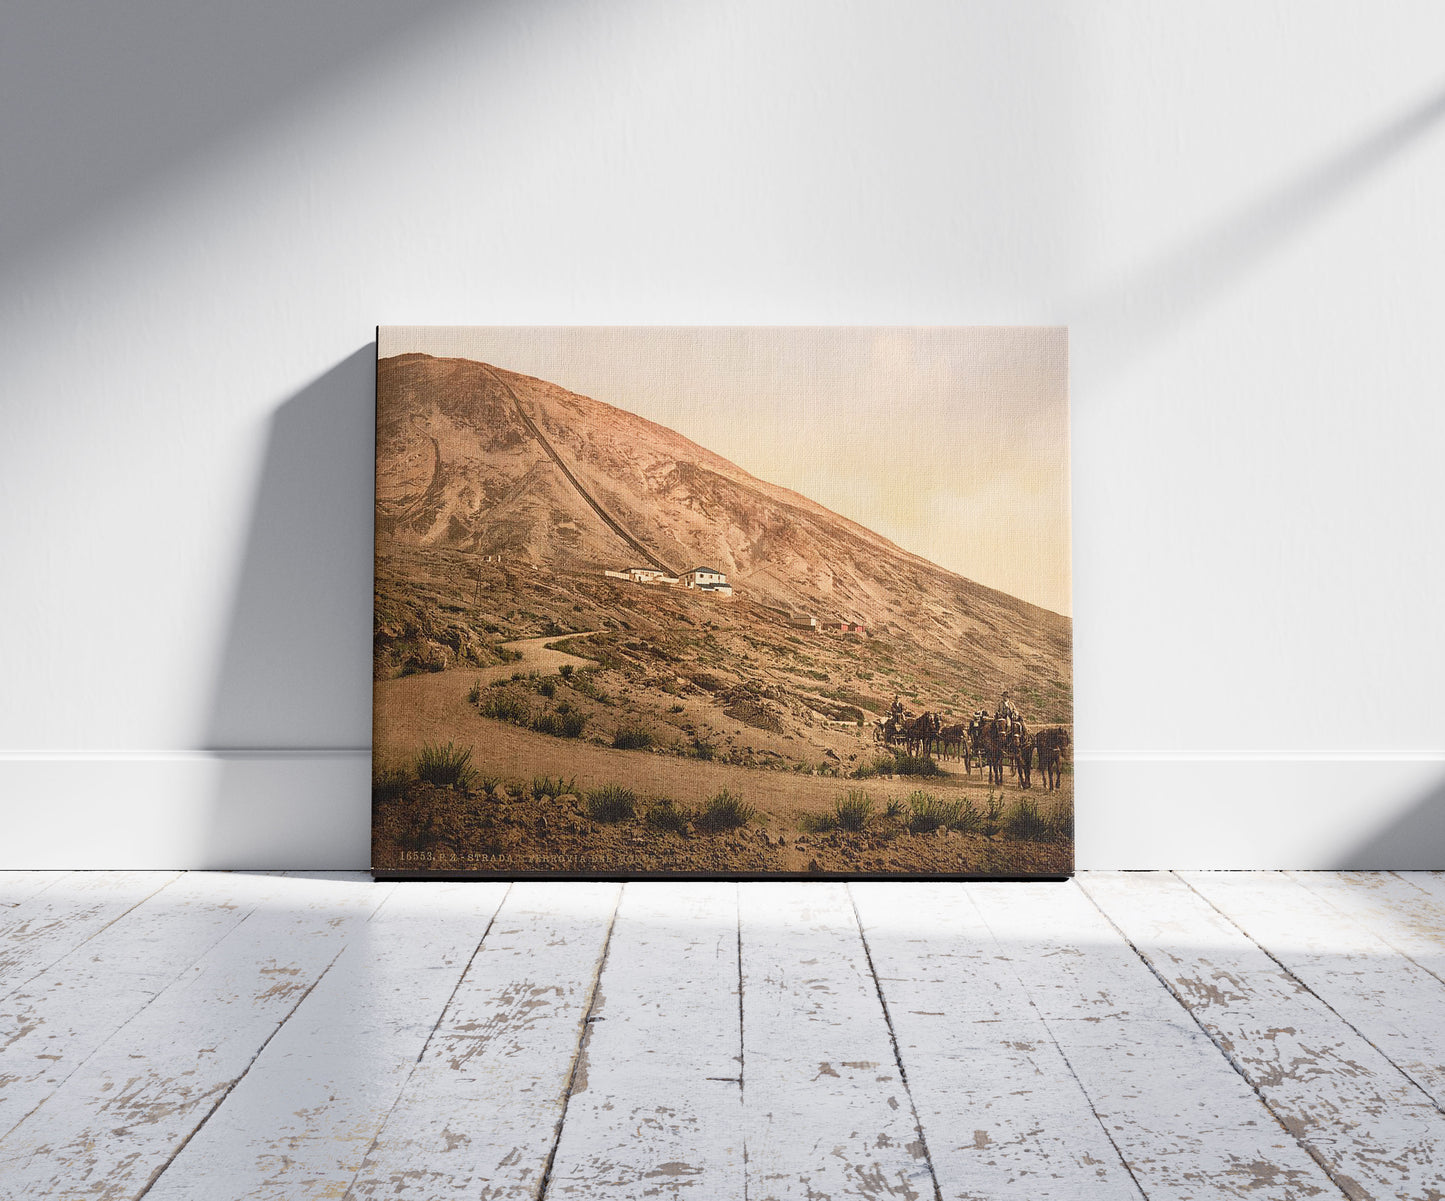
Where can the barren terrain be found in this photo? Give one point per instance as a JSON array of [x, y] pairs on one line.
[[490, 565]]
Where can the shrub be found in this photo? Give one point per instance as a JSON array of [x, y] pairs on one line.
[[611, 803], [446, 767], [724, 812], [969, 819], [993, 810], [1024, 822], [866, 771], [665, 815], [929, 813], [546, 786], [547, 688], [895, 810], [854, 810], [388, 785], [508, 707], [914, 765], [702, 749], [676, 708], [818, 823], [474, 693], [548, 723], [567, 669], [632, 738], [587, 686]]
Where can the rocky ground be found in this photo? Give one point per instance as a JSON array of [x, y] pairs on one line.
[[676, 696], [427, 830]]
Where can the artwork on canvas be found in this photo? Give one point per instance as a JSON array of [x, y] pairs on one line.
[[722, 602]]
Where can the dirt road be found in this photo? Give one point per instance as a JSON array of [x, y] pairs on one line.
[[535, 657], [433, 707]]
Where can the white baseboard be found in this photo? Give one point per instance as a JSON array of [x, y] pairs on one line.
[[1362, 810], [186, 809], [311, 809]]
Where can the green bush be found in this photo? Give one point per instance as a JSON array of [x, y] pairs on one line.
[[1025, 823], [548, 723], [547, 688], [702, 749], [474, 693], [993, 811], [446, 767], [546, 786], [611, 803], [914, 765], [666, 815], [567, 669], [632, 738], [505, 706], [969, 819], [724, 812], [388, 785], [929, 813], [895, 811], [587, 686], [853, 811]]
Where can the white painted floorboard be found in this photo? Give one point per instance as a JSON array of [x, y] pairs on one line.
[[1126, 1036], [656, 1105]]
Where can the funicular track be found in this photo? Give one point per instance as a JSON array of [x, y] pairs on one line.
[[612, 523]]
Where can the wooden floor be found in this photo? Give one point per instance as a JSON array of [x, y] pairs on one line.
[[1190, 1035]]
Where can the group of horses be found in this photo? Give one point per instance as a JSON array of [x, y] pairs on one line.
[[994, 740]]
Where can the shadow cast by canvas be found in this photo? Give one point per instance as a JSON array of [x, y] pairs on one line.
[[1414, 841], [291, 705]]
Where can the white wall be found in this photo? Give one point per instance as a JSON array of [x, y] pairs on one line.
[[205, 207]]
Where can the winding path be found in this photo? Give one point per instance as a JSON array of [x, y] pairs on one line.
[[535, 657]]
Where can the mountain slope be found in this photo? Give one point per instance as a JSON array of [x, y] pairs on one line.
[[475, 458]]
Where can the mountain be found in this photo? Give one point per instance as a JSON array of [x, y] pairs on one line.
[[474, 458]]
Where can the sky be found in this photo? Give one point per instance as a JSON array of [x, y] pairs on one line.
[[951, 441]]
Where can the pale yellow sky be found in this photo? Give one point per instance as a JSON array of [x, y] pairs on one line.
[[951, 441]]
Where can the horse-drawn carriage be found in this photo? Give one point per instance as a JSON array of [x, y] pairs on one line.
[[995, 739]]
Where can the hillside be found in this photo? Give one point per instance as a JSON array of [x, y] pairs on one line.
[[463, 465]]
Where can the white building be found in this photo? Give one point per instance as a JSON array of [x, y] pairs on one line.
[[707, 579]]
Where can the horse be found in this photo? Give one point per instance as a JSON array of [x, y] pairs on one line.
[[1051, 745], [920, 734], [992, 744], [1021, 751], [953, 739]]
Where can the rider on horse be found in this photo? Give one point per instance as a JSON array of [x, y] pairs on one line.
[[894, 723]]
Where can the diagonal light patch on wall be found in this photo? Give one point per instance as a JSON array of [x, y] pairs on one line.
[[1125, 317]]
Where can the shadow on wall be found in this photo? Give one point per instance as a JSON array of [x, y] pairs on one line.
[[118, 96], [1414, 841], [290, 718]]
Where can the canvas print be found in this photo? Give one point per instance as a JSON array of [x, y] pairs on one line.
[[752, 602]]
